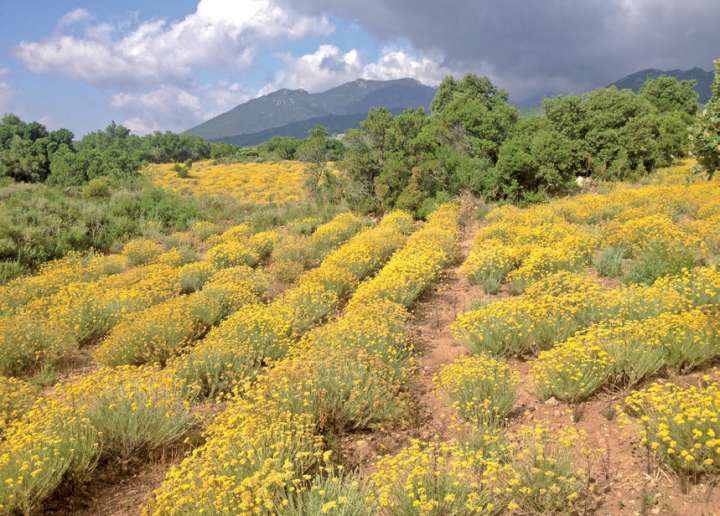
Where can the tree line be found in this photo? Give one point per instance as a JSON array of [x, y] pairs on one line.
[[475, 140]]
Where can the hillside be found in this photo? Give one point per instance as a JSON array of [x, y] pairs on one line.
[[635, 80], [334, 123], [340, 108], [399, 352]]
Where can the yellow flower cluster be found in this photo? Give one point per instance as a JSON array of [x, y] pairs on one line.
[[626, 352], [251, 250], [257, 334], [55, 275], [521, 251], [536, 472], [259, 452], [16, 396], [109, 413], [680, 425], [142, 251], [552, 308], [295, 253], [441, 478], [417, 264], [165, 330], [679, 221], [251, 183], [204, 229], [556, 307], [43, 330], [482, 389]]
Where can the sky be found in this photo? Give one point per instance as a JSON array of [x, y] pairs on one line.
[[170, 64]]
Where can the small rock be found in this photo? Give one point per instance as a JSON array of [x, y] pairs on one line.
[[551, 401]]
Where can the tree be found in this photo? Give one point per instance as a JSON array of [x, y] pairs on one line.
[[26, 149], [545, 161], [668, 94], [705, 135], [280, 147], [475, 114]]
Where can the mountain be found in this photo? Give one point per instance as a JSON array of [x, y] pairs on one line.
[[287, 112], [636, 80]]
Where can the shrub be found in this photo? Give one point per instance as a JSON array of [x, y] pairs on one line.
[[108, 413], [141, 252], [661, 259], [482, 390], [679, 425], [182, 170], [548, 478], [440, 478], [609, 263], [10, 270], [98, 187], [16, 397], [332, 493]]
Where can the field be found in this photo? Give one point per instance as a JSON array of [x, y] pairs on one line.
[[256, 183], [555, 359]]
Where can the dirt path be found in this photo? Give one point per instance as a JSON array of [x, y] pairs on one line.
[[434, 315]]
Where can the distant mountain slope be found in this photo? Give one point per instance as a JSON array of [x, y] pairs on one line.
[[334, 123], [293, 109], [636, 80]]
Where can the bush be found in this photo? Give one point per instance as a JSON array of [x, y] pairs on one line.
[[42, 223], [141, 252], [482, 389], [679, 425], [609, 263], [659, 259], [97, 188], [181, 170], [10, 270]]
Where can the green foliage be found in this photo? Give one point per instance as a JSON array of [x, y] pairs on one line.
[[475, 141], [42, 222], [182, 170], [412, 160], [27, 148], [97, 188], [661, 258], [10, 270], [609, 263], [705, 135], [280, 147], [668, 94], [543, 160]]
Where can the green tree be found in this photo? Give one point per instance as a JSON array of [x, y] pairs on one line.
[[475, 114], [705, 135], [668, 94]]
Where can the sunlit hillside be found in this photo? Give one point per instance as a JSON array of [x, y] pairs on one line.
[[513, 360], [257, 183]]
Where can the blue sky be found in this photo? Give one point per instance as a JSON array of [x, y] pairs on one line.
[[51, 55], [167, 65]]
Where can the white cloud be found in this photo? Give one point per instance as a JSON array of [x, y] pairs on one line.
[[328, 66], [324, 68], [218, 33], [75, 16], [167, 107], [174, 108], [398, 64], [178, 108], [6, 97]]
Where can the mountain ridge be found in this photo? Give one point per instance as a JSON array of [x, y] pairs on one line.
[[704, 78], [286, 107]]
